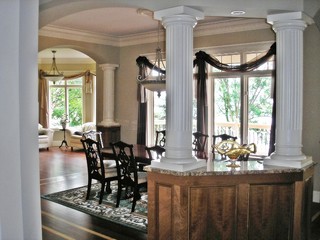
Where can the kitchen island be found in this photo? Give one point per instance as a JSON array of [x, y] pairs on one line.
[[253, 201]]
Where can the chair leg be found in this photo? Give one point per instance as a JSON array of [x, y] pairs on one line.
[[133, 204], [101, 192], [118, 194], [88, 189], [108, 188], [136, 196]]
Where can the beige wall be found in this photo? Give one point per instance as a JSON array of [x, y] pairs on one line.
[[126, 110], [311, 98], [126, 105]]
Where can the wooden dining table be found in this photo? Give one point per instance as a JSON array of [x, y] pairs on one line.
[[139, 152]]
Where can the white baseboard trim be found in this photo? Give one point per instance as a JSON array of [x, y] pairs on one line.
[[316, 196]]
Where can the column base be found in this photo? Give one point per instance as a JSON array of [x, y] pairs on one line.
[[172, 164], [287, 162]]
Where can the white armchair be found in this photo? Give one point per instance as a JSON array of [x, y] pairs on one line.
[[74, 135], [45, 136]]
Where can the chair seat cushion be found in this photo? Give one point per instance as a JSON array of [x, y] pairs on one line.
[[43, 139], [109, 163], [142, 177], [110, 172], [110, 168]]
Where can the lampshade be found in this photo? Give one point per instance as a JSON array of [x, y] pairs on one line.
[[53, 78], [155, 85], [54, 74]]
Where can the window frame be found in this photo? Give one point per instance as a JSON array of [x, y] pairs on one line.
[[241, 49], [66, 87], [244, 83]]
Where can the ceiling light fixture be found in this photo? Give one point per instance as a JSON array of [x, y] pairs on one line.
[[54, 75], [238, 12], [155, 78]]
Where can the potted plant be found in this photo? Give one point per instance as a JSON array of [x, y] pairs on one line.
[[64, 121]]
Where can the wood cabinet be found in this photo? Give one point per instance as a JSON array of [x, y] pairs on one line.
[[265, 205], [109, 134]]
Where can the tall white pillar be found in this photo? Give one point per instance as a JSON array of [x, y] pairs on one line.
[[289, 29], [179, 23], [108, 95]]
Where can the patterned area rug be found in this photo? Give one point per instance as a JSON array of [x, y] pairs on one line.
[[76, 199]]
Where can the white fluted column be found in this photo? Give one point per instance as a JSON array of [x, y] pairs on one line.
[[179, 23], [108, 95], [289, 29]]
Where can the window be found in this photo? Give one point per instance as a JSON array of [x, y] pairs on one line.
[[157, 115], [66, 98], [240, 104]]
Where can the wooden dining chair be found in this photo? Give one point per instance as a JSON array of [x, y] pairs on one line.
[[95, 135], [101, 170], [160, 138], [128, 175], [222, 137], [199, 144], [155, 152]]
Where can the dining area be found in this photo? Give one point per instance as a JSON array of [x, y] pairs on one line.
[[127, 163], [229, 198]]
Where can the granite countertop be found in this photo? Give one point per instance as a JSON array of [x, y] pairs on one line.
[[220, 168]]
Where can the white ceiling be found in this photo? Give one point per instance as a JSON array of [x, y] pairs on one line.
[[120, 19], [115, 21], [107, 22]]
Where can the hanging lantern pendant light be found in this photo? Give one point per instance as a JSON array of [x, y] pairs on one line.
[[155, 79], [54, 74]]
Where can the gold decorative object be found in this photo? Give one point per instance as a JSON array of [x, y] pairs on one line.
[[235, 151]]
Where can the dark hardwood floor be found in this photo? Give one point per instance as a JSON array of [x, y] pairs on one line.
[[61, 169]]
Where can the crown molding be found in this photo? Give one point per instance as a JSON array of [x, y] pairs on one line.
[[204, 29], [77, 35], [230, 26]]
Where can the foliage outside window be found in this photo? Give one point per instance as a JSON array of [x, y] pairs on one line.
[[239, 104], [66, 99], [242, 102]]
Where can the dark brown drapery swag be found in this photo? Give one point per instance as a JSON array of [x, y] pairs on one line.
[[200, 62], [142, 107], [43, 93], [43, 100], [201, 90], [144, 64], [201, 59], [273, 123]]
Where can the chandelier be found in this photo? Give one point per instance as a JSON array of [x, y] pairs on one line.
[[54, 74], [153, 77]]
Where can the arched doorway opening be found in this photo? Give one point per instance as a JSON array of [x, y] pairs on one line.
[[72, 99]]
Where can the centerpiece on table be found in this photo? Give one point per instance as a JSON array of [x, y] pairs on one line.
[[235, 151]]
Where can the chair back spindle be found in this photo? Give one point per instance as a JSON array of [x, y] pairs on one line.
[[199, 144]]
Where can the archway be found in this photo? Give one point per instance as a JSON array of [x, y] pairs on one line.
[[75, 99]]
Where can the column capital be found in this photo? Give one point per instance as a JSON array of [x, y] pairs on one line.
[[288, 17], [179, 11], [109, 66]]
